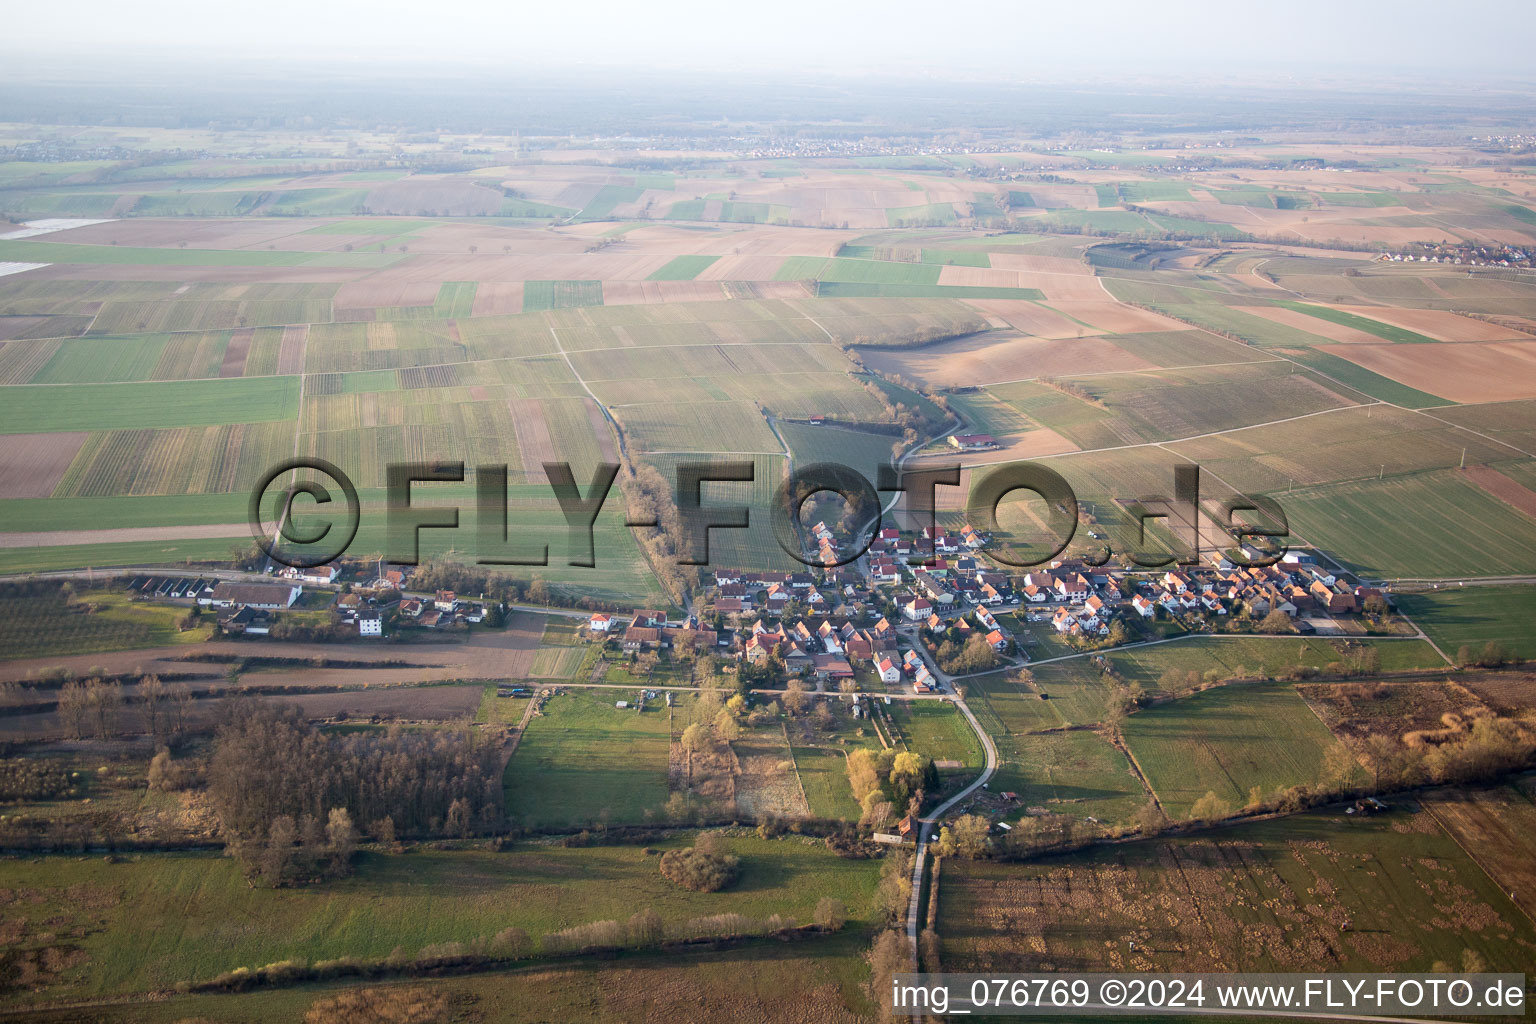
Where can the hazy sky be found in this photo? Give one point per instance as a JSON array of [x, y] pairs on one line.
[[1003, 38]]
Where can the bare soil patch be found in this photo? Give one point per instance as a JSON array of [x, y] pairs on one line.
[[1481, 372], [370, 293], [290, 354], [633, 293], [1114, 318], [33, 463], [1001, 356], [1313, 325], [1030, 318], [494, 297], [1510, 492], [235, 353], [1440, 324], [120, 535], [534, 445], [767, 783]]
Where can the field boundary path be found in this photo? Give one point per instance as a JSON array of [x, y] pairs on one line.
[[938, 812]]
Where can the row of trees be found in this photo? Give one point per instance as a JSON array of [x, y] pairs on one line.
[[648, 498], [94, 707]]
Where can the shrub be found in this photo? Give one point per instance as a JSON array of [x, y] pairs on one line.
[[830, 914], [700, 868], [393, 1005]]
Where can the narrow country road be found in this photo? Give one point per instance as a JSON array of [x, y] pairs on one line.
[[938, 813]]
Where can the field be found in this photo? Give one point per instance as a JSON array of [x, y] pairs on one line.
[[1075, 772], [1279, 895], [583, 761], [824, 775], [374, 296], [561, 652], [1361, 323], [1432, 525], [1456, 617], [170, 404], [1227, 741], [822, 981], [238, 310], [36, 626], [1244, 656], [1494, 825], [194, 917], [937, 731]]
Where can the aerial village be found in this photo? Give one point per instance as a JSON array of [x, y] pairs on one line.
[[914, 613]]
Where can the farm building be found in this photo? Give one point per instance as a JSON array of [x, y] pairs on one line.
[[253, 595], [973, 442]]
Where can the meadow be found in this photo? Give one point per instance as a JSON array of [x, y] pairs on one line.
[[939, 732], [150, 921], [821, 980], [583, 762], [1077, 772], [1226, 741], [1456, 617]]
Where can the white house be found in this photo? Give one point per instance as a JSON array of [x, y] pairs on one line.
[[889, 673], [370, 624], [917, 609]]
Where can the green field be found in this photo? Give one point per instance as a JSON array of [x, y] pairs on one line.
[[1242, 656], [683, 268], [864, 271], [584, 761], [1365, 381], [939, 732], [561, 654], [1226, 741], [31, 409], [1428, 525], [153, 920], [1455, 616], [609, 196], [1360, 323], [824, 777], [539, 295], [1078, 773], [455, 299], [29, 251]]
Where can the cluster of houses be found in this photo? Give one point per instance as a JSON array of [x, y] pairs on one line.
[[249, 607], [1296, 586], [650, 630], [440, 611]]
